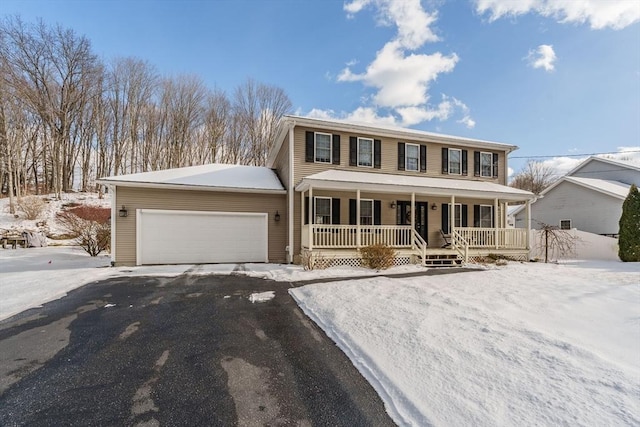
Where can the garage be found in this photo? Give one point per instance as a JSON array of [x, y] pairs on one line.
[[193, 237]]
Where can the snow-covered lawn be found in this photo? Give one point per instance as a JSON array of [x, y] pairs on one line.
[[520, 345], [523, 344]]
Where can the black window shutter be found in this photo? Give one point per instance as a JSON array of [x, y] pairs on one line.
[[445, 160], [352, 212], [464, 215], [400, 156], [476, 215], [306, 211], [377, 212], [495, 165], [445, 218], [335, 211], [309, 152], [335, 147], [377, 155], [476, 163], [464, 162], [423, 158], [353, 151]]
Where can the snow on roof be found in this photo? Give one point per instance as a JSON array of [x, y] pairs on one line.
[[614, 188], [211, 176], [396, 129], [341, 179]]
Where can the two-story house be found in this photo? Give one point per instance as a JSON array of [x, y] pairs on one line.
[[330, 187], [588, 198]]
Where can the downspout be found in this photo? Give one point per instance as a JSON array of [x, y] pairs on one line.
[[114, 213], [290, 197]]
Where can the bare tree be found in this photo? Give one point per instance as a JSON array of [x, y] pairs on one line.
[[259, 107], [534, 176], [552, 242]]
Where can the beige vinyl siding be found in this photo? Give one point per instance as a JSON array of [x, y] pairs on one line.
[[191, 200], [389, 158], [281, 163]]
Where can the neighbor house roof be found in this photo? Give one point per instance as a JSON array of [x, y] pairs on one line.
[[622, 163], [335, 125], [211, 177], [388, 183], [616, 189]]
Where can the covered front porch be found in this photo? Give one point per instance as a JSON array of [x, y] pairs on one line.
[[421, 218]]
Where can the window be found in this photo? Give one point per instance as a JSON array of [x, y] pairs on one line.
[[455, 161], [486, 164], [322, 147], [412, 157], [457, 218], [322, 209], [366, 212], [565, 224], [365, 152], [486, 216]]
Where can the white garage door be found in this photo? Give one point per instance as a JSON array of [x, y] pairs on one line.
[[187, 237]]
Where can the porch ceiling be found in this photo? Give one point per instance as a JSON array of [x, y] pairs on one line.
[[341, 180]]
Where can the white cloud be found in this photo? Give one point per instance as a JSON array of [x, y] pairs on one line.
[[412, 20], [616, 14], [542, 57], [401, 80], [400, 76]]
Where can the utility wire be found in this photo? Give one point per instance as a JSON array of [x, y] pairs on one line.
[[572, 155]]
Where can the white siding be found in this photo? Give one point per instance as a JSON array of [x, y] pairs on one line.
[[587, 209]]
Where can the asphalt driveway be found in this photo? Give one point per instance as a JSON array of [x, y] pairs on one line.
[[192, 350]]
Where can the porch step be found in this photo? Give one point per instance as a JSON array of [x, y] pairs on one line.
[[442, 260]]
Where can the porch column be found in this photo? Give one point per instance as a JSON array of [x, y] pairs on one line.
[[311, 204], [358, 239], [452, 215], [495, 222], [528, 219], [413, 218]]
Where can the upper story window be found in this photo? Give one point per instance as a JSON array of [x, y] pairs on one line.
[[454, 161], [322, 147], [365, 152], [486, 164], [412, 157]]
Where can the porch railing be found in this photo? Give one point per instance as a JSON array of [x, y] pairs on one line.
[[402, 236], [347, 236], [497, 238]]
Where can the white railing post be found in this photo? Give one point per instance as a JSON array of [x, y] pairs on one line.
[[311, 229]]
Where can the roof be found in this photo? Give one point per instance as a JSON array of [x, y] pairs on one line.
[[623, 163], [388, 183], [218, 177], [289, 121], [616, 189]]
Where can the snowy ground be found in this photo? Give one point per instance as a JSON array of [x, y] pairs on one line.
[[520, 345], [47, 222], [523, 344]]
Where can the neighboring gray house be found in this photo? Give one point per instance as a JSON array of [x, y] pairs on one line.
[[588, 198]]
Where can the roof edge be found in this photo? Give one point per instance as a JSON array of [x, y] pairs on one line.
[[138, 184]]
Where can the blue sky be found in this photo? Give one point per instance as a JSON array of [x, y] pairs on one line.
[[555, 77]]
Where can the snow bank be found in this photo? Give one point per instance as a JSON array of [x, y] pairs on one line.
[[527, 344]]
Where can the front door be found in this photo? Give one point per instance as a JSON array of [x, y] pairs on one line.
[[403, 216]]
